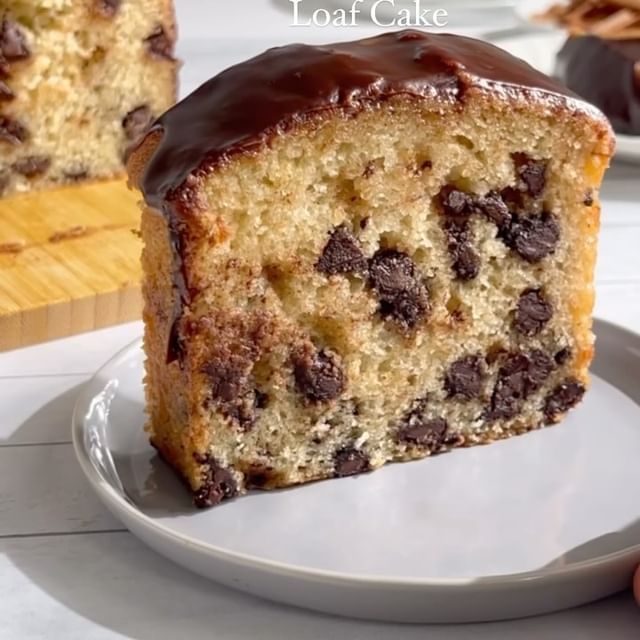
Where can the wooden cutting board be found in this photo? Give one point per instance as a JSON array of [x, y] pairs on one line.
[[69, 262]]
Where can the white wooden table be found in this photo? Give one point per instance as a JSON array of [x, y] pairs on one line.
[[69, 570]]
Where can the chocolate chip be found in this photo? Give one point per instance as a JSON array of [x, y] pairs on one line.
[[107, 8], [232, 391], [493, 207], [531, 174], [136, 122], [4, 181], [6, 94], [364, 223], [562, 356], [455, 203], [466, 262], [349, 461], [369, 170], [532, 313], [12, 131], [13, 43], [588, 199], [403, 297], [218, 485], [261, 400], [32, 166], [465, 378], [534, 237], [159, 44], [428, 433], [318, 376], [259, 476], [76, 175], [564, 397], [426, 164], [391, 272], [342, 254], [518, 378]]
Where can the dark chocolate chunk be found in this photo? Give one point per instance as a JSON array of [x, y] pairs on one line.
[[136, 122], [12, 131], [159, 44], [531, 174], [403, 297], [493, 207], [342, 254], [532, 313], [564, 397], [6, 94], [465, 378], [318, 376], [349, 462], [364, 223], [518, 378], [534, 237], [428, 433], [32, 166], [107, 8], [562, 356], [588, 199], [13, 43], [218, 484]]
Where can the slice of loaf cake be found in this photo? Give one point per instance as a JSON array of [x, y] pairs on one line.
[[363, 253], [80, 81]]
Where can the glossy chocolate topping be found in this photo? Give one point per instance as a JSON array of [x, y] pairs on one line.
[[238, 110], [607, 74]]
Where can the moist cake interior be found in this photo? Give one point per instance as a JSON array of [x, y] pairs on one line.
[[373, 288]]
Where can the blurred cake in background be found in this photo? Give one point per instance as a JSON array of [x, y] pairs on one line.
[[80, 81], [601, 59]]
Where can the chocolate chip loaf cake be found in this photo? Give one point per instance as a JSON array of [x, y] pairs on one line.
[[363, 253], [80, 81]]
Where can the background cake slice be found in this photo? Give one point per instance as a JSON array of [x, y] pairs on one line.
[[362, 253], [79, 82]]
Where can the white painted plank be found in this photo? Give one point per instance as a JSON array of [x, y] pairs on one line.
[[619, 304], [107, 586], [43, 490], [618, 255], [81, 354], [37, 410]]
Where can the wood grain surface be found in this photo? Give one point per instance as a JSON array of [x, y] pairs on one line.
[[69, 262]]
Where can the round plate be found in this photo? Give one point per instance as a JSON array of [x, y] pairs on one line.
[[539, 50], [537, 523]]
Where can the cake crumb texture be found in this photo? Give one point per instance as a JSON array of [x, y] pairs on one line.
[[372, 287], [80, 82]]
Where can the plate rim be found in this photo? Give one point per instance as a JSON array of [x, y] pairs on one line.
[[117, 503]]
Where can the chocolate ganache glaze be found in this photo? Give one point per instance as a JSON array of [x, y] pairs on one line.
[[607, 74], [241, 108]]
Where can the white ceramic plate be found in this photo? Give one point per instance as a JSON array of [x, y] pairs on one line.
[[539, 50], [538, 523]]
